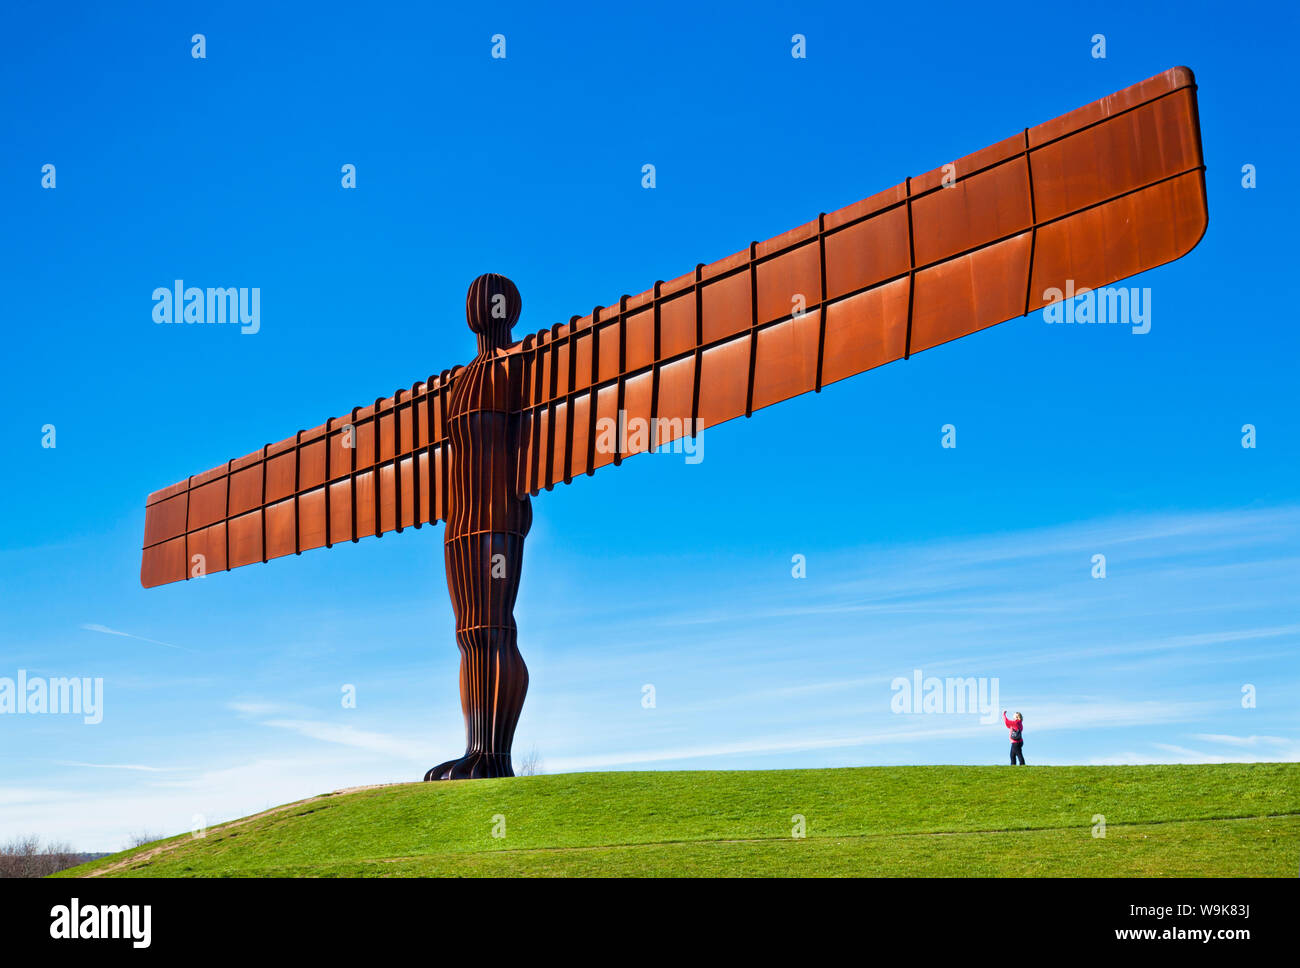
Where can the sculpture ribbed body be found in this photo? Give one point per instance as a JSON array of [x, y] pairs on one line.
[[483, 549]]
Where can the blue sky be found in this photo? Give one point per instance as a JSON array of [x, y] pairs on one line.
[[223, 696]]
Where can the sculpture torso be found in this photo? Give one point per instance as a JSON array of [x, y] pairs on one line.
[[483, 429]]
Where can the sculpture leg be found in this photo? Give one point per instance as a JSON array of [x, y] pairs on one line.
[[483, 575]]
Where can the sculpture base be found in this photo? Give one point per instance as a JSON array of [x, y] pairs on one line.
[[472, 766]]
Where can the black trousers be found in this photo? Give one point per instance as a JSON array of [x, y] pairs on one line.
[[1017, 754]]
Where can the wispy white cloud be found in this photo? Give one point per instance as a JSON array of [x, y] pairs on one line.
[[752, 747], [101, 816], [1047, 717], [105, 630], [256, 708], [1278, 750], [1019, 575], [1135, 647], [351, 736], [1251, 741], [1125, 670], [115, 766]]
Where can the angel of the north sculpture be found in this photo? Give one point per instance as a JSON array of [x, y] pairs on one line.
[[1107, 191]]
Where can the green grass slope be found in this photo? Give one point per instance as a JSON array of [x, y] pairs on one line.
[[1220, 820]]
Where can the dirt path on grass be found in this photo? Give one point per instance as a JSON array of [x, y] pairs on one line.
[[153, 852]]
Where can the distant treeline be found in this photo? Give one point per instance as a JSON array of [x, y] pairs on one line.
[[26, 857]]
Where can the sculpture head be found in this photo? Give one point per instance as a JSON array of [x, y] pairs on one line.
[[492, 306]]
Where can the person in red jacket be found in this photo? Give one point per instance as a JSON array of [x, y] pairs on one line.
[[1017, 727]]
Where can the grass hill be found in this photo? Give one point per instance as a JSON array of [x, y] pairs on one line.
[[1218, 820]]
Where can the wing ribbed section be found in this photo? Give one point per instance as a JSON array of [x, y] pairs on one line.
[[1102, 193], [381, 467]]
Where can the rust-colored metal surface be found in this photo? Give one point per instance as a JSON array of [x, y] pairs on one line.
[[484, 541], [1099, 194], [1104, 192], [379, 468]]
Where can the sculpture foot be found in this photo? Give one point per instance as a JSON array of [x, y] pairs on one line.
[[472, 766]]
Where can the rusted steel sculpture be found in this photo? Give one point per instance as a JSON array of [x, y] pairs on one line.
[[1109, 190], [487, 521]]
